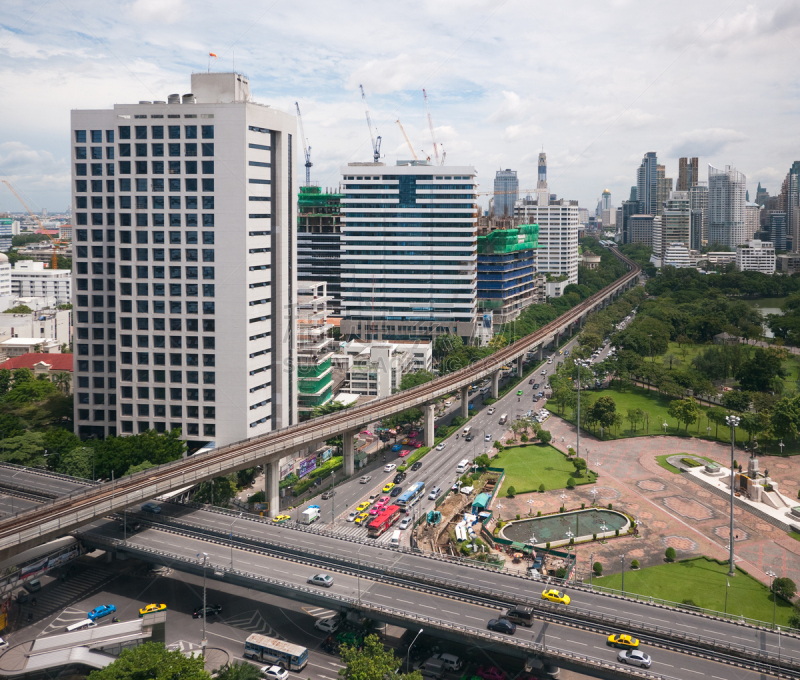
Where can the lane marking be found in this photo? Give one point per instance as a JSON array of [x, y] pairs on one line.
[[223, 636], [691, 671]]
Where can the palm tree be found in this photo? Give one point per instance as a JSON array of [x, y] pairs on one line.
[[62, 380]]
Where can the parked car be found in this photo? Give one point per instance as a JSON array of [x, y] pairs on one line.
[[490, 673], [634, 657], [101, 611], [328, 625], [210, 610], [502, 626], [325, 580], [33, 586]]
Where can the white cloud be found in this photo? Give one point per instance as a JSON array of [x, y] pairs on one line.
[[165, 11], [707, 142]]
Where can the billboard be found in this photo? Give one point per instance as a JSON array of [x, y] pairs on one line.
[[327, 454], [307, 465], [286, 469]]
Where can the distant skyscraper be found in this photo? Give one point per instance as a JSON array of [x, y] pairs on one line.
[[640, 229], [624, 214], [688, 173], [647, 184], [698, 195], [790, 204], [606, 200], [777, 229], [541, 182], [676, 219], [696, 234], [752, 218], [726, 201], [663, 189], [506, 191], [761, 195]]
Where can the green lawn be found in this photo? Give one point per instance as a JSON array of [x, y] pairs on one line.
[[662, 461], [529, 466], [702, 582]]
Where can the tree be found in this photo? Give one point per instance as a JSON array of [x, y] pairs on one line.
[[717, 415], [239, 670], [684, 411], [580, 465], [29, 391], [19, 309], [447, 344], [5, 380], [330, 407], [371, 662], [757, 373], [24, 449], [785, 418], [117, 454], [415, 378], [151, 661], [634, 417], [144, 465], [670, 358], [784, 587], [76, 462], [22, 375], [544, 436], [62, 380], [670, 554], [597, 568], [603, 410], [59, 441], [736, 401], [511, 492], [218, 491]]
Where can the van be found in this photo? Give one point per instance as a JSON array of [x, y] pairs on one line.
[[451, 661], [433, 668], [33, 586], [521, 615], [463, 466], [467, 430], [80, 625], [484, 390], [504, 419], [394, 541]]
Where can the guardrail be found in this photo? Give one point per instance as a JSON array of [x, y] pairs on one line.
[[448, 587]]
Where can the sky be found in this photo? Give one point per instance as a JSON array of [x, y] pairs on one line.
[[594, 84]]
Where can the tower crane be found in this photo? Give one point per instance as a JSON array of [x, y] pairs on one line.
[[430, 125], [56, 244], [306, 148], [376, 141], [405, 136]]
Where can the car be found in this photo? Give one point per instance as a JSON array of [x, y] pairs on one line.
[[491, 410], [566, 353], [3, 644], [502, 626], [328, 625], [399, 477], [416, 466], [440, 447], [536, 386], [150, 608], [374, 510], [490, 673], [280, 519], [321, 580], [416, 445], [623, 640], [313, 506], [519, 393], [530, 382], [413, 434], [469, 437], [406, 441], [390, 467], [404, 523], [404, 453], [539, 395], [362, 506], [396, 491], [101, 611], [352, 516], [388, 487], [397, 447], [384, 501], [33, 586], [555, 596], [362, 517], [274, 673], [365, 479], [152, 508], [487, 437], [210, 610], [132, 526], [328, 495], [634, 657], [448, 403]]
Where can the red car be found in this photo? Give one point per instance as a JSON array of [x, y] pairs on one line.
[[491, 673], [416, 445], [413, 434], [404, 453]]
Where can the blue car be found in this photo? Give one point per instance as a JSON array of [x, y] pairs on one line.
[[314, 506], [151, 508], [101, 611], [397, 447]]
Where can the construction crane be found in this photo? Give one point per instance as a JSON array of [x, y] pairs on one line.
[[376, 141], [405, 136], [430, 125], [306, 148], [56, 244]]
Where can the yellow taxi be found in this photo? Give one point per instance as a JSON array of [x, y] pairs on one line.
[[555, 596], [388, 487], [362, 506], [363, 517], [279, 519], [406, 441], [150, 608], [623, 640]]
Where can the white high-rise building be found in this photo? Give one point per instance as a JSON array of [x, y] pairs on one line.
[[408, 251], [559, 222], [676, 219], [698, 196], [30, 279], [184, 287], [726, 200], [756, 256]]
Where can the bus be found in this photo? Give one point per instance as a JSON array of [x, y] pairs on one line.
[[410, 496], [277, 652], [383, 520]]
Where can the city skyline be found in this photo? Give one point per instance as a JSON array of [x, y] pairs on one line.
[[487, 110]]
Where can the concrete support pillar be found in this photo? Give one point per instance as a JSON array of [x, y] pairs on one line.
[[556, 340], [349, 453], [465, 402], [429, 424], [272, 476], [540, 355], [520, 364], [581, 321], [496, 384]]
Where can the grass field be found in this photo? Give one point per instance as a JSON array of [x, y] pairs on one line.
[[529, 466], [702, 582], [662, 461]]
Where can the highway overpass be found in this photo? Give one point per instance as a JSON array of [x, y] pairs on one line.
[[83, 506]]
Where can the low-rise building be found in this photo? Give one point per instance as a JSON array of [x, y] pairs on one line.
[[47, 364], [32, 279], [719, 258], [314, 348], [787, 264], [14, 347], [589, 260], [677, 255], [376, 369], [47, 323], [43, 251], [756, 256]]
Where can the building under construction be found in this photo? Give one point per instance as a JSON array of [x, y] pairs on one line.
[[507, 277], [319, 232]]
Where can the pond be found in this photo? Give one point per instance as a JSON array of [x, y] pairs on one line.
[[555, 527], [767, 306]]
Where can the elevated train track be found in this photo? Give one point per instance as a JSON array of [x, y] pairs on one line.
[[81, 507]]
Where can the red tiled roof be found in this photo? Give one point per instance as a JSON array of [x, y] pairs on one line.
[[58, 362]]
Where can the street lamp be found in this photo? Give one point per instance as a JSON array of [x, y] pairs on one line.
[[594, 496], [733, 423], [204, 642], [408, 654], [622, 563], [781, 445], [665, 427], [230, 535], [591, 568], [333, 497], [772, 575]]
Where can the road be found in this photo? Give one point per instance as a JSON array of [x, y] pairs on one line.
[[47, 484]]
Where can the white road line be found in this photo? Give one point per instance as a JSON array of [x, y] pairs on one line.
[[428, 606], [224, 636], [474, 617], [405, 601], [741, 638], [691, 671]]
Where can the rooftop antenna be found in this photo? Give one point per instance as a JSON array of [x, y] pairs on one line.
[[376, 142], [306, 148]]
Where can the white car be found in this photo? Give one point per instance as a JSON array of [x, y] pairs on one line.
[[327, 625], [352, 517], [3, 643], [274, 673], [487, 437], [321, 580], [491, 410], [634, 657], [448, 403], [440, 447], [389, 467], [365, 479], [404, 523]]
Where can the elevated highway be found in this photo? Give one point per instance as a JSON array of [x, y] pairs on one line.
[[81, 507]]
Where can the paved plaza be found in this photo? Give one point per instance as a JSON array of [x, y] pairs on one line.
[[673, 510]]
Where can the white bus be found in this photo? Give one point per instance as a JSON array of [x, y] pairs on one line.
[[467, 430], [277, 652]]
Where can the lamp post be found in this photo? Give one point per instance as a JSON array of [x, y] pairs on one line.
[[622, 564], [408, 654], [665, 426], [230, 535], [333, 497], [733, 423], [772, 576], [204, 642], [591, 568], [781, 445]]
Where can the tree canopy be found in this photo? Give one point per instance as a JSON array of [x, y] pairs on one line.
[[372, 662], [151, 661]]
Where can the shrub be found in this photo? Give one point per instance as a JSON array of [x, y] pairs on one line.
[[545, 436], [498, 446], [561, 509], [572, 540], [670, 554], [594, 537], [634, 564], [547, 547], [570, 483], [541, 489], [784, 587], [735, 464], [561, 572], [610, 506], [583, 505], [523, 437], [539, 514], [517, 515], [616, 532], [597, 567], [794, 619], [511, 492]]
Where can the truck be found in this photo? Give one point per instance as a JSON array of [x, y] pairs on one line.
[[309, 516]]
